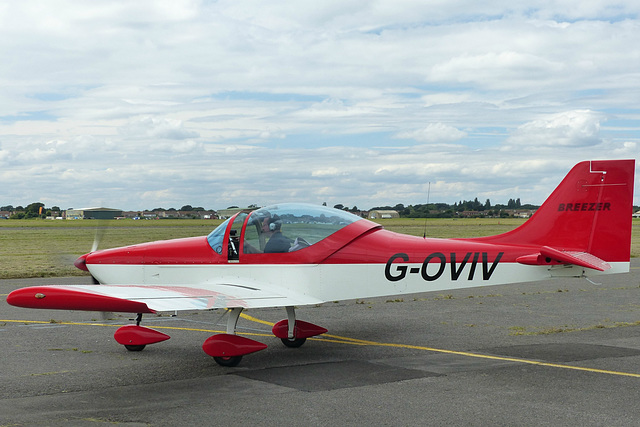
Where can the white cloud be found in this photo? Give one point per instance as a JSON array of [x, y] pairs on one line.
[[580, 128], [220, 103], [433, 132], [486, 67], [330, 171], [152, 127]]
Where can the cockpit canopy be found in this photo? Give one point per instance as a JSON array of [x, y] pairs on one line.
[[293, 225]]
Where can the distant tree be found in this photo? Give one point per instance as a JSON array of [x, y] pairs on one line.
[[253, 206], [33, 210], [338, 206], [186, 208], [6, 208], [487, 205], [232, 207]]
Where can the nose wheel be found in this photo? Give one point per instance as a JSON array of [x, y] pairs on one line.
[[136, 337]]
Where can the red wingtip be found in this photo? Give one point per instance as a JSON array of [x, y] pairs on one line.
[[62, 298]]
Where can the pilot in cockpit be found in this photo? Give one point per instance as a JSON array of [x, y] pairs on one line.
[[278, 241]]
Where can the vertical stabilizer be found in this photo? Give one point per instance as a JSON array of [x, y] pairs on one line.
[[590, 211]]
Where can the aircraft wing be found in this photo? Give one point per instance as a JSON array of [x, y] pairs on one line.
[[151, 299]]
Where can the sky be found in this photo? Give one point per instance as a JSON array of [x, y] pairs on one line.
[[145, 104]]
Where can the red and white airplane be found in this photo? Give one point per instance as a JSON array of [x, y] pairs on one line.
[[293, 254]]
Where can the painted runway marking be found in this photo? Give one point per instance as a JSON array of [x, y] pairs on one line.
[[354, 341]]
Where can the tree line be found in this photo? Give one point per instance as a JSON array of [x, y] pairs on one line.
[[446, 210], [38, 210], [430, 210], [33, 210]]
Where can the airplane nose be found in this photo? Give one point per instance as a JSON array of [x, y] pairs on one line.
[[81, 263]]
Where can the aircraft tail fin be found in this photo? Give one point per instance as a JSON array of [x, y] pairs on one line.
[[586, 221]]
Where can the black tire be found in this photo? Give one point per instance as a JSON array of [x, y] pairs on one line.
[[293, 342], [228, 362], [134, 347]]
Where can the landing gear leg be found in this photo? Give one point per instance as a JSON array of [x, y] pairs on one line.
[[291, 341], [131, 347], [136, 337], [294, 333], [232, 323], [228, 349]]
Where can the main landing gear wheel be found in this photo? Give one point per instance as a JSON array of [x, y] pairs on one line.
[[293, 342], [134, 347], [228, 361], [294, 333], [136, 337]]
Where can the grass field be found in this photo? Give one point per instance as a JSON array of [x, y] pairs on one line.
[[40, 248]]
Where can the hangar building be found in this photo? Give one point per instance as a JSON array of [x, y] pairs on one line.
[[94, 213]]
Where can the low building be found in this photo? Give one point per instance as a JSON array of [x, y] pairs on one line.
[[93, 213], [380, 214], [187, 214], [228, 213], [472, 214]]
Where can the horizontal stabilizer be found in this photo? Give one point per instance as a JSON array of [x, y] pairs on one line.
[[551, 256]]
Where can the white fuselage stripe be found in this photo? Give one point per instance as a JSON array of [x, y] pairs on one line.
[[329, 282]]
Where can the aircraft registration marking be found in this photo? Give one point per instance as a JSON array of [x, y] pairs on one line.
[[438, 258]]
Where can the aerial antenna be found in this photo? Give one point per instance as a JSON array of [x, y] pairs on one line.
[[424, 232]]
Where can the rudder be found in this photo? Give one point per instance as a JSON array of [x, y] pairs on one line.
[[590, 211]]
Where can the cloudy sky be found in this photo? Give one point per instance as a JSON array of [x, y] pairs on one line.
[[145, 104]]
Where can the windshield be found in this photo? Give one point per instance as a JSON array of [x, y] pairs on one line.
[[216, 237], [289, 227]]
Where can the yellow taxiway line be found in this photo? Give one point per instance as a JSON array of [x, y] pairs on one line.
[[355, 341]]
